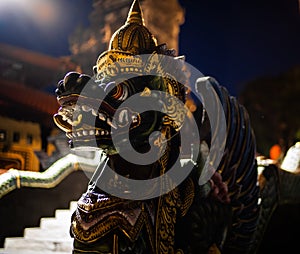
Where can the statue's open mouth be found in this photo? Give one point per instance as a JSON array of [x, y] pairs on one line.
[[72, 116], [89, 122], [107, 122]]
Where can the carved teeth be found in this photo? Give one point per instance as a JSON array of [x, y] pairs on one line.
[[76, 108], [77, 121], [109, 122], [94, 112], [81, 133], [85, 133], [73, 122], [134, 119], [101, 132], [86, 108], [102, 117], [123, 117], [63, 116]]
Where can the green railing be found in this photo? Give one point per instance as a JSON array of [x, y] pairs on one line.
[[16, 179]]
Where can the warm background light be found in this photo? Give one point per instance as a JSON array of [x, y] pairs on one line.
[[44, 13]]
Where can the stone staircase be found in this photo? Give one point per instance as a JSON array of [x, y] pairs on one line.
[[51, 237]]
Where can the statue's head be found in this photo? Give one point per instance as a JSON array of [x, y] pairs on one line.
[[134, 65]]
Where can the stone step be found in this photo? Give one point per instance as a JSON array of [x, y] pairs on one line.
[[3, 251], [43, 234], [19, 243], [61, 214], [73, 206], [62, 218], [52, 223], [51, 237]]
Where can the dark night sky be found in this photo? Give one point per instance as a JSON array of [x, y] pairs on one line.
[[235, 41]]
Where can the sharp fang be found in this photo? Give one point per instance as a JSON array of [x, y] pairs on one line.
[[76, 108], [78, 121], [94, 112], [123, 117], [86, 108], [134, 119], [102, 117], [110, 123], [97, 132]]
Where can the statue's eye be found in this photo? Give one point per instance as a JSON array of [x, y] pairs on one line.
[[120, 92]]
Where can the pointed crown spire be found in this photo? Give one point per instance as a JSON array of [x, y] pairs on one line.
[[135, 14], [133, 37]]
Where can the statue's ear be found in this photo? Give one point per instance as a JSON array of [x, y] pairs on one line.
[[204, 83]]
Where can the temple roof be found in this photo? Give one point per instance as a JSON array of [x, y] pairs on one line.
[[25, 76], [24, 103], [35, 58]]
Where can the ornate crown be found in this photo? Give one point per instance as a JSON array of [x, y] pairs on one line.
[[132, 39], [133, 51], [126, 46]]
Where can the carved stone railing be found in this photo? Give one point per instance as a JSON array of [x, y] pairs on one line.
[[16, 179]]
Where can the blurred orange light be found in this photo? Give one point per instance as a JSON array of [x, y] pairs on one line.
[[275, 152]]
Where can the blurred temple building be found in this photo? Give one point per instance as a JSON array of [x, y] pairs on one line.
[[26, 107]]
